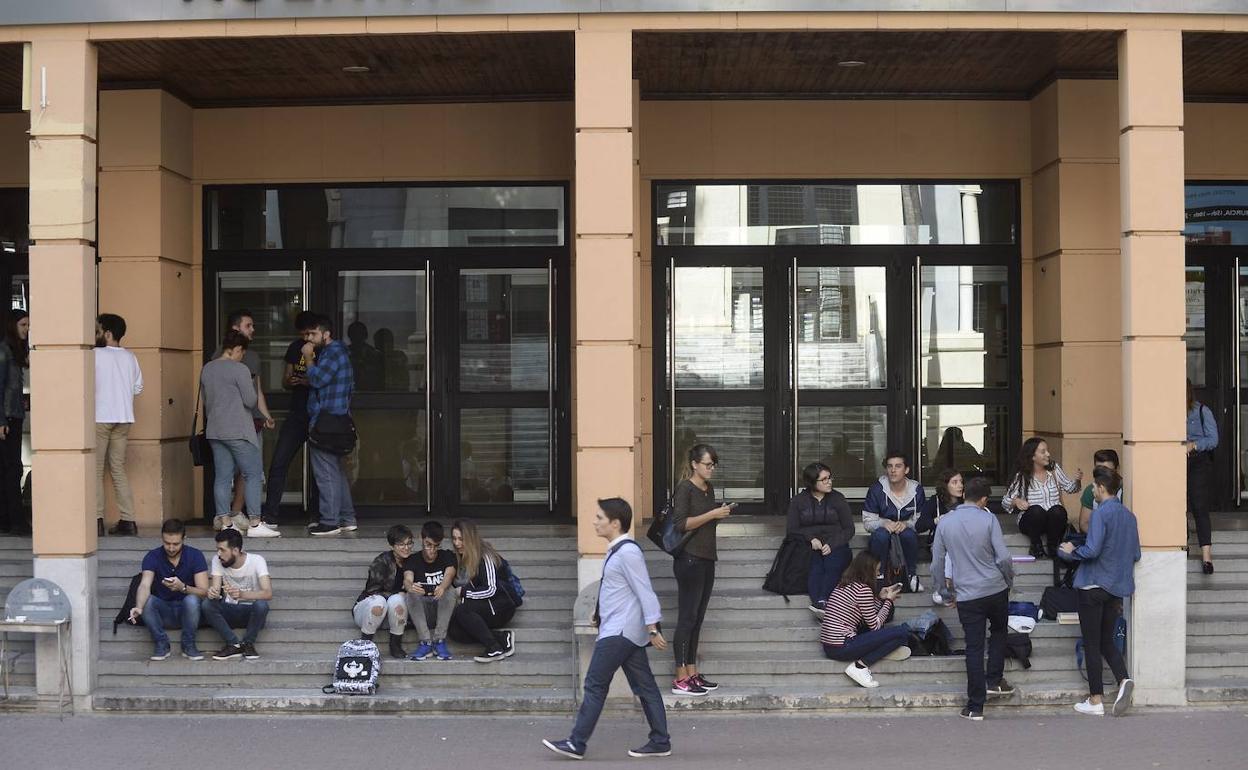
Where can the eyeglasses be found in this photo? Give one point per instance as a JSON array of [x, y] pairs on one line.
[[709, 465], [404, 544], [823, 479]]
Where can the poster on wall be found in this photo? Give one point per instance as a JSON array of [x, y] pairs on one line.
[[1216, 214], [1195, 295]]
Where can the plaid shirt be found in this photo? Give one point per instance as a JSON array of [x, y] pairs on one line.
[[332, 381]]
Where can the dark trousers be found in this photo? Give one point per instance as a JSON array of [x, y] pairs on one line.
[[1098, 612], [1199, 482], [825, 571], [159, 614], [473, 621], [226, 617], [1037, 523], [993, 612], [881, 539], [695, 577], [610, 655], [870, 646], [12, 514], [290, 440]]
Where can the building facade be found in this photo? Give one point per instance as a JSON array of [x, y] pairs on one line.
[[568, 245]]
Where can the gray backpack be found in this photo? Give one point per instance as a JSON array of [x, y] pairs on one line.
[[356, 669]]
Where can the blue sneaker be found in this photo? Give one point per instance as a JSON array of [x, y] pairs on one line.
[[566, 748], [192, 653], [161, 652], [439, 649], [423, 651], [651, 750]]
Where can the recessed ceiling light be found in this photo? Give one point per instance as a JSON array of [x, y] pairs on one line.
[[356, 68], [850, 63]]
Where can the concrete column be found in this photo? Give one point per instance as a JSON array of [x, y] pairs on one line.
[[606, 286], [62, 266], [146, 277], [1150, 93]]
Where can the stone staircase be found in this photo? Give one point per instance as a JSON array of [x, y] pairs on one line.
[[1217, 621]]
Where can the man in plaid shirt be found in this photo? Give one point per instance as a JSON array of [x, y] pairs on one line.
[[332, 380]]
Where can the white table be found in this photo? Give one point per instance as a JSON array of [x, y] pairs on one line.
[[61, 629]]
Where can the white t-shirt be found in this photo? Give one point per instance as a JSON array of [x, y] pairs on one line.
[[117, 381], [245, 578]]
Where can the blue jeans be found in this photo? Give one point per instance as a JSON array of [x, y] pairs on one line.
[[228, 454], [611, 654], [159, 614], [977, 615], [825, 571], [878, 545], [226, 617], [334, 487], [870, 646]]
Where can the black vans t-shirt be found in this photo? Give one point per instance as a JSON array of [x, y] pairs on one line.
[[430, 575], [299, 394]]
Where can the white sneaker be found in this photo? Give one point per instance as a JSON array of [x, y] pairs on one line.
[[1090, 708], [936, 598], [1123, 702], [221, 522], [241, 522], [348, 527], [915, 586], [901, 653], [260, 529], [861, 675]]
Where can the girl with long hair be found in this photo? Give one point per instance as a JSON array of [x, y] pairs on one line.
[[694, 509], [14, 361], [1036, 493], [485, 604], [854, 604], [948, 496]]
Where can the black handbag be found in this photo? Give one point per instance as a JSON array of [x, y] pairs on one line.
[[662, 531], [333, 433], [201, 450]]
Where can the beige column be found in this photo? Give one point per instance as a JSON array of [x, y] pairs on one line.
[[1150, 79], [146, 277], [1076, 323], [62, 264], [606, 286]]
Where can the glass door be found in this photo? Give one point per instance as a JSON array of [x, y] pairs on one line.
[[1216, 295]]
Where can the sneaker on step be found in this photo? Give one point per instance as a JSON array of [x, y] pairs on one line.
[[249, 651], [901, 653], [1002, 687], [915, 586], [192, 653], [704, 683], [566, 748], [349, 526], [320, 530], [937, 598], [651, 750], [228, 652], [260, 529], [241, 522], [423, 650], [161, 652], [861, 675], [1122, 703], [124, 527], [1090, 708], [490, 657], [222, 521], [688, 686], [971, 714], [509, 648], [440, 650]]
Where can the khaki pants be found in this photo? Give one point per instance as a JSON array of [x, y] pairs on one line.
[[110, 449]]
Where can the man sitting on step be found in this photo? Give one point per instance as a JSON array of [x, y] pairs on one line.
[[238, 597], [174, 582], [383, 599], [429, 583]]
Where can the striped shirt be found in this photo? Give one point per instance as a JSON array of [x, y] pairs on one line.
[[849, 607], [1045, 494]]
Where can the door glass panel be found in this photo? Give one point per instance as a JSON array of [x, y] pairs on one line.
[[274, 298], [964, 322], [293, 492], [851, 440], [1194, 336], [719, 327], [383, 315], [737, 435], [841, 327], [388, 466], [969, 437], [504, 330], [504, 455]]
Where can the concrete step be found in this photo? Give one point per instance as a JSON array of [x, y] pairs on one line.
[[1222, 689], [890, 695], [455, 701]]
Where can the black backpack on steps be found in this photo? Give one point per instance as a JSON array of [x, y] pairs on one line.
[[790, 569]]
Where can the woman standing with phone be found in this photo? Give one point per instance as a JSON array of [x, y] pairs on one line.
[[694, 509]]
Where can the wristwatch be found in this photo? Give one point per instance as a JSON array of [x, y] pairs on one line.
[[655, 632]]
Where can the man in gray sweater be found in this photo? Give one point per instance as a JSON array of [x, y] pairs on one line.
[[982, 574], [229, 397]]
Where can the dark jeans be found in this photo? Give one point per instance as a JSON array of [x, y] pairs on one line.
[[825, 572], [1037, 523], [12, 514], [226, 617], [993, 612], [1199, 482], [880, 540], [695, 577], [1098, 612], [472, 621], [290, 440], [610, 655], [159, 614], [870, 646]]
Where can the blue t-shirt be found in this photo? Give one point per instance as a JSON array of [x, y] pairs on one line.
[[189, 565]]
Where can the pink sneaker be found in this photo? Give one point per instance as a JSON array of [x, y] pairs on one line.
[[688, 686]]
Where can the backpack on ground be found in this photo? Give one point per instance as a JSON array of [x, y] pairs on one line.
[[510, 582], [1058, 599], [1018, 646], [662, 531], [356, 669], [930, 636], [790, 569]]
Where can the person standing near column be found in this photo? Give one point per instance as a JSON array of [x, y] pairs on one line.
[[628, 621], [14, 361], [228, 400], [243, 322], [332, 381], [294, 432], [1202, 439], [118, 380]]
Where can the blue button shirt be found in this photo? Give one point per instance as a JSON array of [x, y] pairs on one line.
[[189, 565], [626, 602], [1202, 428], [1107, 559]]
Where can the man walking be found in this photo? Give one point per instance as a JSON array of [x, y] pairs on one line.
[[294, 430], [982, 575], [118, 380], [332, 381], [628, 622]]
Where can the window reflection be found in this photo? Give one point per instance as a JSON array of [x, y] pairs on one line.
[[841, 327], [737, 435], [274, 298], [388, 466], [383, 312], [851, 440], [969, 437], [719, 327], [504, 456], [964, 326], [1194, 336], [504, 336]]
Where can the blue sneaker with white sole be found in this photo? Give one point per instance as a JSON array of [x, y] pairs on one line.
[[423, 651]]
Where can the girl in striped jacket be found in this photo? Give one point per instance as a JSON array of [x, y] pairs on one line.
[[853, 605]]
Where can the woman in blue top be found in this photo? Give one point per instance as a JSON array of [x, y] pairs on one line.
[[1106, 576], [1202, 439]]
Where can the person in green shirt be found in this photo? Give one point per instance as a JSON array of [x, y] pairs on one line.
[[1102, 458]]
